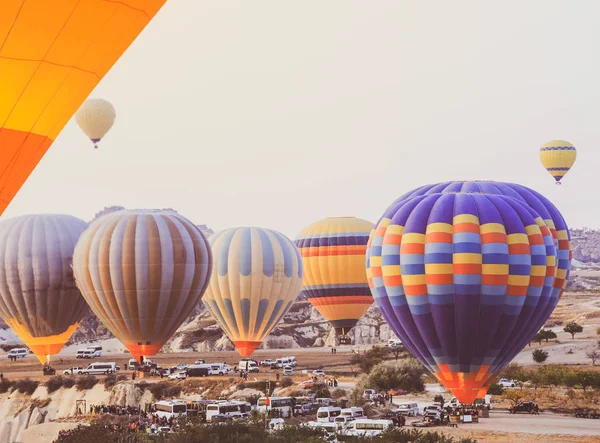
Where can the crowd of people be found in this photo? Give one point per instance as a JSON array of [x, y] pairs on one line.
[[141, 419]]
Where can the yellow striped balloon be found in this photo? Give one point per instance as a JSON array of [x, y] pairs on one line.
[[558, 156], [335, 279], [256, 277]]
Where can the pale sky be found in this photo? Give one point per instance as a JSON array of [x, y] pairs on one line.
[[279, 113]]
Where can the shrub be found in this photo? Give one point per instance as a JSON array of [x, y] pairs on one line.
[[495, 389], [370, 359], [102, 431], [54, 383], [111, 380], [286, 382], [26, 386], [406, 374], [320, 390], [86, 382], [161, 389], [539, 356], [338, 393], [511, 371], [6, 385]]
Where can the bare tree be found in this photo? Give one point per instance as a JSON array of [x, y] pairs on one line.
[[593, 355]]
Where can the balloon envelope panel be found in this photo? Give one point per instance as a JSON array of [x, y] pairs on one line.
[[53, 54], [466, 278], [256, 278], [38, 296], [142, 272], [335, 281]]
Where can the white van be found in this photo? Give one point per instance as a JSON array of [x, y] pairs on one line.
[[248, 366], [18, 352], [132, 364], [101, 368], [355, 412], [328, 414], [408, 409], [292, 361], [97, 350], [170, 408], [368, 428], [282, 362], [219, 368]]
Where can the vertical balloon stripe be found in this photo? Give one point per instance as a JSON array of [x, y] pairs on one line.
[[38, 296], [159, 266], [254, 282], [466, 318]]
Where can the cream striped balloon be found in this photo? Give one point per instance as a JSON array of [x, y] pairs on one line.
[[256, 278], [142, 272], [38, 296]]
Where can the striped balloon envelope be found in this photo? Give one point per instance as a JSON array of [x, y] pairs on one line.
[[335, 281], [142, 272], [256, 278], [466, 273], [38, 296], [558, 157], [53, 53]]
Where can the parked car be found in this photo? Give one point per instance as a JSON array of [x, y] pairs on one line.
[[182, 366], [368, 393], [319, 373], [530, 407], [75, 371], [505, 383], [398, 392], [306, 384], [267, 362], [179, 375], [288, 370]]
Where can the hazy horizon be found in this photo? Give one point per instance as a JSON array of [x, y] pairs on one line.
[[278, 114]]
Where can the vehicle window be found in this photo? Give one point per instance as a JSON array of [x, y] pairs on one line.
[[179, 408], [262, 402], [335, 413], [322, 414]]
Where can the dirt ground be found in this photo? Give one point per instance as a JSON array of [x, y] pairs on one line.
[[500, 427]]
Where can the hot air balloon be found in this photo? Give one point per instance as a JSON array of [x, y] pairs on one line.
[[53, 54], [558, 156], [256, 278], [141, 272], [38, 296], [95, 118], [466, 273], [335, 281]]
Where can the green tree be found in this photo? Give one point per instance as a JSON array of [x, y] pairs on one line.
[[538, 338], [573, 328], [547, 334], [539, 356], [586, 379]]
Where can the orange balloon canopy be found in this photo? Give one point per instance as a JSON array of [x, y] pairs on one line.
[[52, 55]]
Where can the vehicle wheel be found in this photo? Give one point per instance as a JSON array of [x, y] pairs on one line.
[[220, 373]]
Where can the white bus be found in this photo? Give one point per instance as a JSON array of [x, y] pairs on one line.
[[328, 414], [235, 409], [170, 408], [368, 428], [282, 362], [281, 404], [355, 412], [101, 368]]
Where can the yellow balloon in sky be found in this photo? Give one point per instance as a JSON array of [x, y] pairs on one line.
[[95, 118], [558, 156]]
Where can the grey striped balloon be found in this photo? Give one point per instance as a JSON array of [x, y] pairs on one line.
[[38, 296], [142, 272]]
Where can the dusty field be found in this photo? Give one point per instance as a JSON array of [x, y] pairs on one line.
[[500, 427]]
